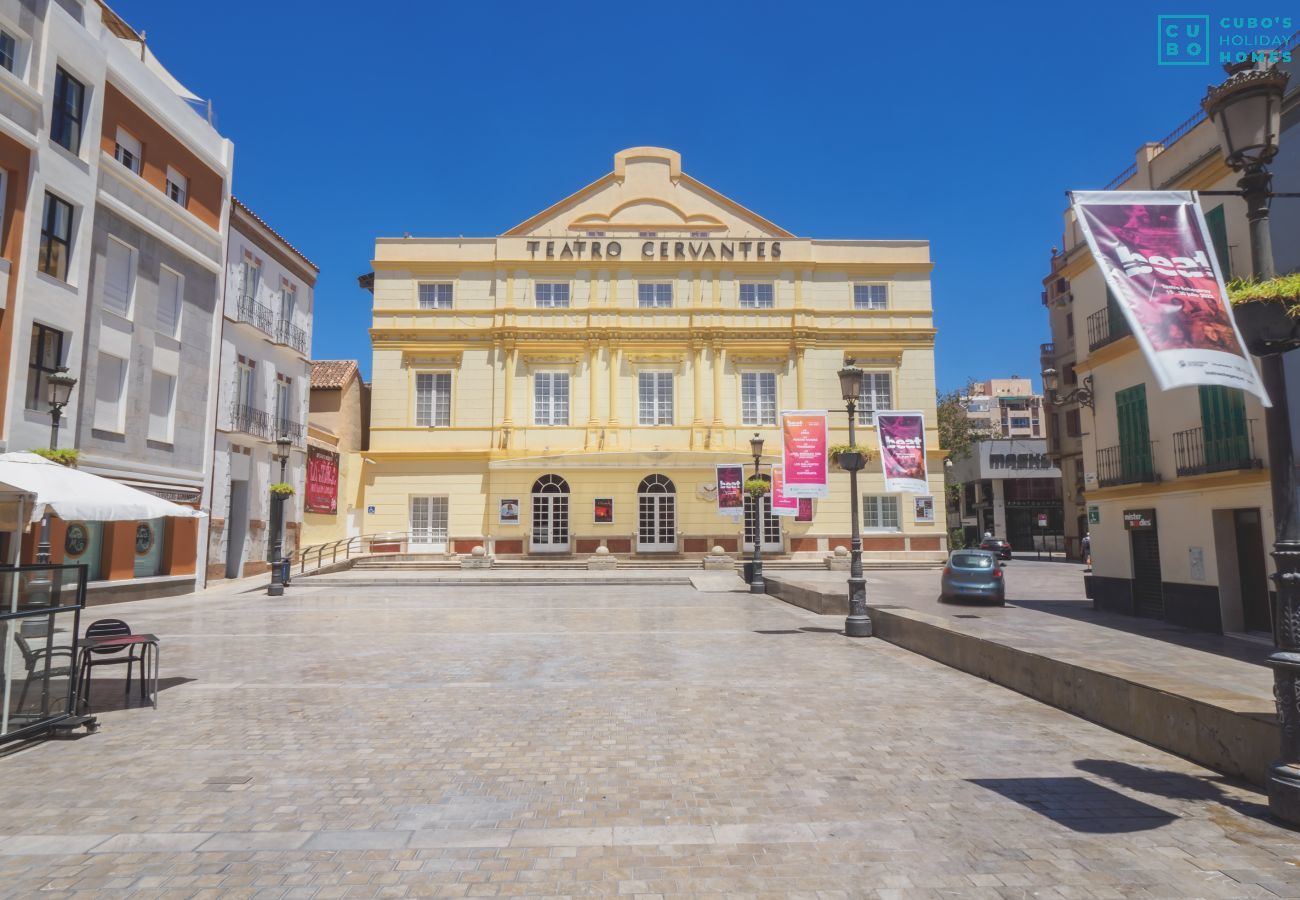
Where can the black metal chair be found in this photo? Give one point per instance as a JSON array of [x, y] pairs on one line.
[[61, 665], [93, 657]]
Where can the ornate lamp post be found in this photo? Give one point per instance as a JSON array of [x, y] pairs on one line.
[[1247, 111], [58, 392], [858, 623], [756, 584], [283, 444]]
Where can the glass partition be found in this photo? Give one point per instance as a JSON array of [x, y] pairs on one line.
[[40, 616]]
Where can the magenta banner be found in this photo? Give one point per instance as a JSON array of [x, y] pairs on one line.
[[803, 452], [731, 480], [902, 451], [782, 503], [1156, 254]]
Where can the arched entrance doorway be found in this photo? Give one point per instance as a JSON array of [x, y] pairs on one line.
[[656, 515], [770, 524], [550, 525]]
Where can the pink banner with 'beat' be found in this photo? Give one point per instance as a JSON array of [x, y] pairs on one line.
[[902, 451], [1158, 258]]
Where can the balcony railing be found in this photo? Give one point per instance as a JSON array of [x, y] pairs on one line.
[[250, 420], [1194, 454], [1126, 465], [288, 333], [259, 316], [1047, 352], [1102, 331], [291, 428]]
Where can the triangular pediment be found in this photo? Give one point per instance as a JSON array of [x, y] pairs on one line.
[[648, 192]]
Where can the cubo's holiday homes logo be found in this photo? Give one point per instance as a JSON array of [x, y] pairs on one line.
[[1201, 40]]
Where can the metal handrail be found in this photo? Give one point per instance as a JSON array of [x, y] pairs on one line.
[[288, 333], [1132, 465], [1102, 331], [1195, 455], [256, 314], [359, 544], [250, 420]]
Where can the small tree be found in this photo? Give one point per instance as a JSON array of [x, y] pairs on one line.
[[958, 433]]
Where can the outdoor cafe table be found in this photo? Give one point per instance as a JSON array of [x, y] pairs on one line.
[[149, 644]]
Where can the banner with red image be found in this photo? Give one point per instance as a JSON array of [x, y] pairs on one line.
[[1157, 256], [782, 503], [731, 482], [322, 481]]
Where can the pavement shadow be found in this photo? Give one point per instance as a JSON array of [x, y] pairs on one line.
[[1172, 785], [108, 694], [1080, 804]]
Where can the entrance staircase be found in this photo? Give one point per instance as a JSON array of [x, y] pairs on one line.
[[439, 563]]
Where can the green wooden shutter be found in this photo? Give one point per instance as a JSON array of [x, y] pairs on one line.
[[1223, 423], [1219, 236], [1134, 433], [1115, 321]]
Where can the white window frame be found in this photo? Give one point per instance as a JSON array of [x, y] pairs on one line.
[[436, 301], [250, 281], [758, 417], [132, 262], [547, 407], [550, 288], [245, 385], [653, 301], [118, 426], [129, 152], [876, 509], [169, 425], [869, 396], [178, 188], [757, 301], [437, 416], [653, 407], [871, 302], [175, 333]]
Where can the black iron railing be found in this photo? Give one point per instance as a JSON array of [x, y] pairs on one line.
[[250, 420], [261, 317], [1194, 454], [1126, 464], [291, 428], [288, 333], [1102, 331]]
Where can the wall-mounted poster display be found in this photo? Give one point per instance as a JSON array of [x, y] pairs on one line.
[[510, 511], [803, 452], [902, 451], [805, 513], [603, 510], [731, 502], [923, 507]]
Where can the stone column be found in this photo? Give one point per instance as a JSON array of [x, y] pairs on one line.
[[593, 357], [615, 361], [507, 414], [798, 376], [717, 385]]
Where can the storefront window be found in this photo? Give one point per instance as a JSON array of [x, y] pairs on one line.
[[149, 547]]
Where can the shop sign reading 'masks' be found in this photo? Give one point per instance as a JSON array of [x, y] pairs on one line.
[[1155, 251]]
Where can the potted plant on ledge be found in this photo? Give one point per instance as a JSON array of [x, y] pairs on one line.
[[849, 457], [1268, 313]]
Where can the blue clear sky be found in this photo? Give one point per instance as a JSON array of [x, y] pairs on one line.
[[957, 122]]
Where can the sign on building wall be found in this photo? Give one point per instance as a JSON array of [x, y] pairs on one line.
[[322, 481], [803, 452], [602, 511], [1094, 515], [902, 451], [1155, 251], [923, 508], [805, 513], [509, 511], [782, 503], [731, 502]]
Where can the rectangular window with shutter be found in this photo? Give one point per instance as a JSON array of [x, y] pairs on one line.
[[162, 399], [170, 291], [655, 398], [127, 150], [110, 390], [433, 399], [551, 398], [758, 398], [877, 393], [119, 276]]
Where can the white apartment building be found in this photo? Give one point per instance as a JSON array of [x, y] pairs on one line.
[[265, 383]]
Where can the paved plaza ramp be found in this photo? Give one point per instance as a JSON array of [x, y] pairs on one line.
[[1203, 696]]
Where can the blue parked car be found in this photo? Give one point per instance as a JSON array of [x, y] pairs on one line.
[[973, 575]]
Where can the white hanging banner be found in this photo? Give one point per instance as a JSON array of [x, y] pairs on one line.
[[1156, 253]]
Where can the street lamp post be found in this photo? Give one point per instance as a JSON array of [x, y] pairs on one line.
[[59, 391], [283, 444], [1246, 109], [756, 584], [858, 623]]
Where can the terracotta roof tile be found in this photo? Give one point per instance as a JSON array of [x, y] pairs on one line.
[[331, 373]]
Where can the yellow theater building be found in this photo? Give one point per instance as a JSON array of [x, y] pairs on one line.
[[572, 383]]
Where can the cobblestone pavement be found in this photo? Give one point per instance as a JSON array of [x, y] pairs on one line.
[[556, 740]]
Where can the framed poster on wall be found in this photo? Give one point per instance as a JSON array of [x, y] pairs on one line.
[[602, 511], [923, 507], [510, 511]]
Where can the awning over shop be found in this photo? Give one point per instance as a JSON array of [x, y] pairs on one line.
[[73, 495]]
